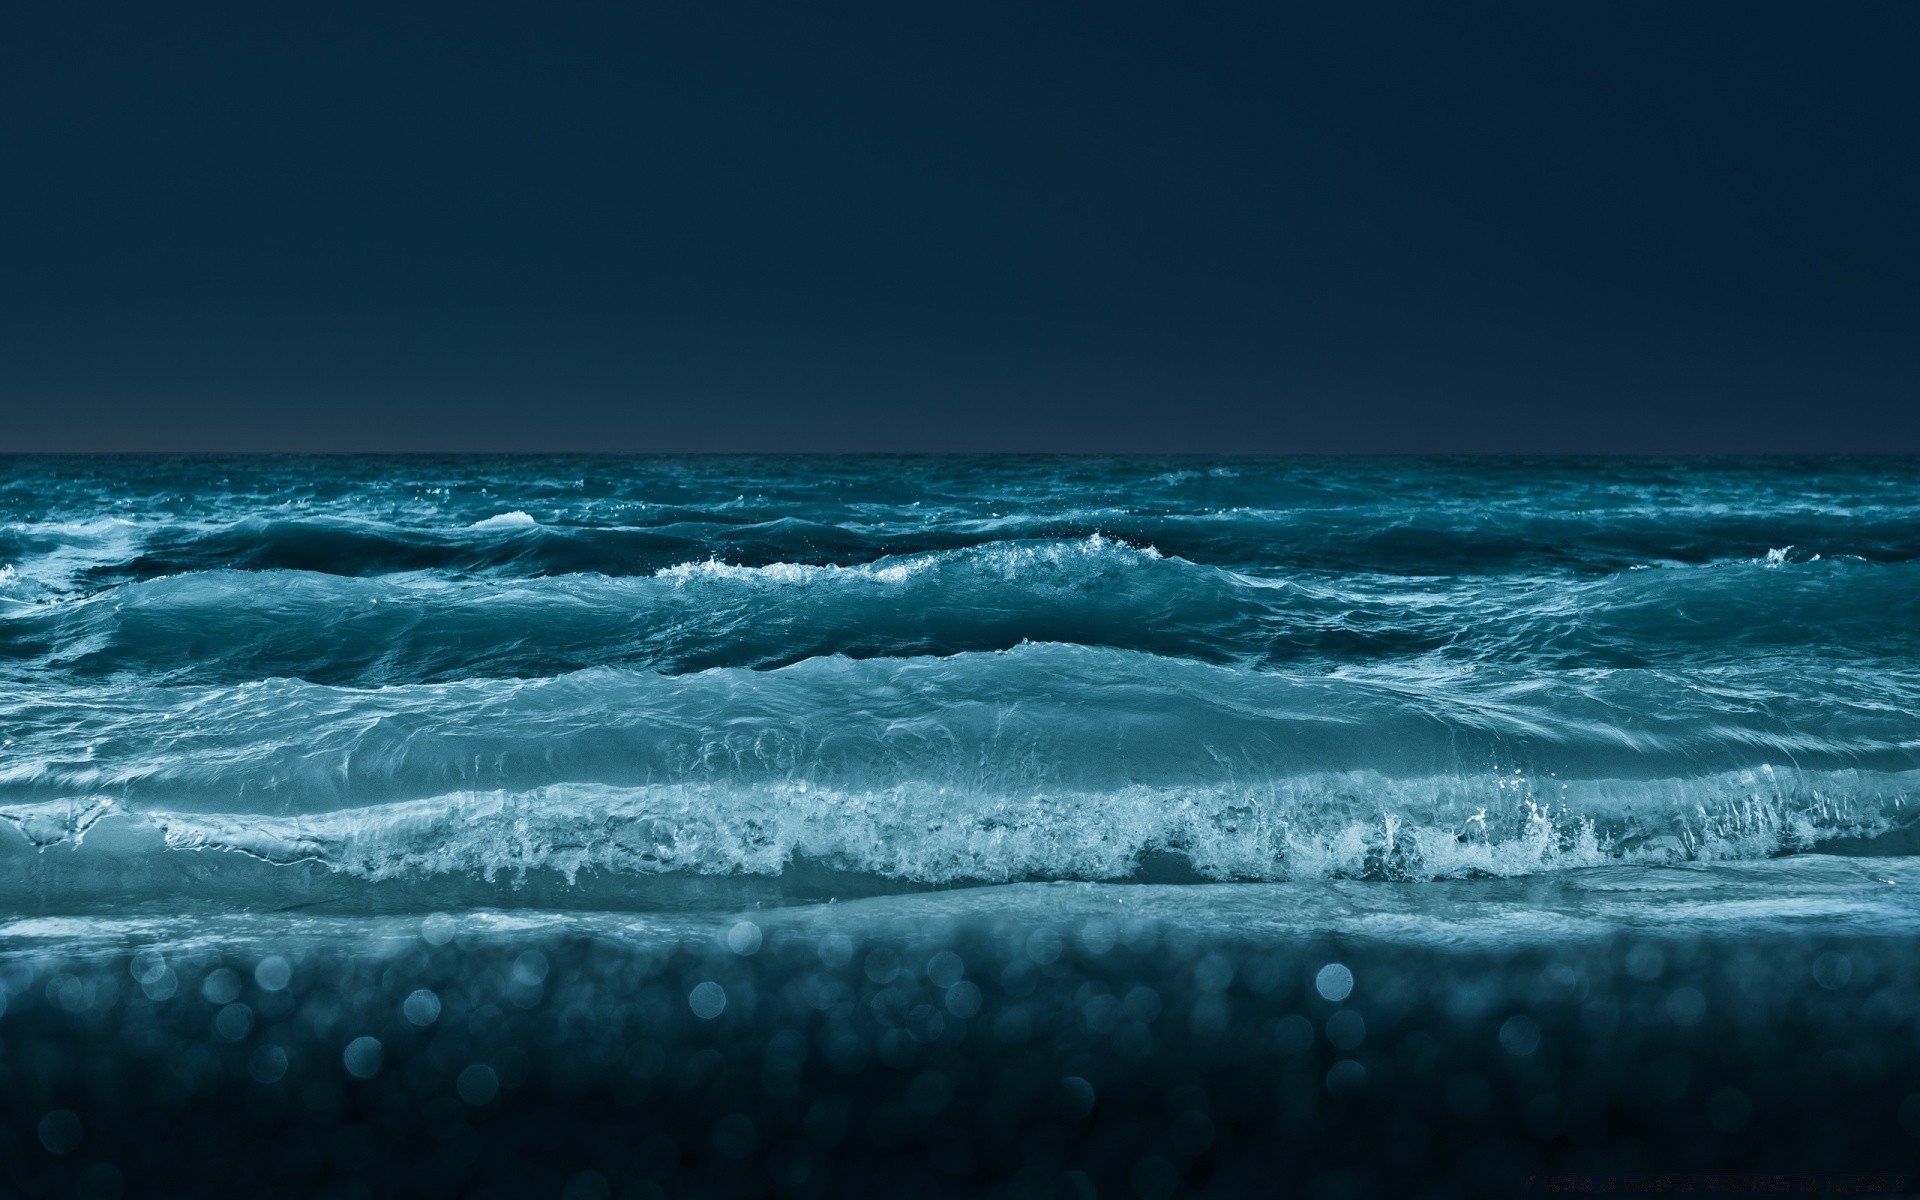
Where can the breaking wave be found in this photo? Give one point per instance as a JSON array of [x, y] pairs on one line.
[[628, 683], [236, 625]]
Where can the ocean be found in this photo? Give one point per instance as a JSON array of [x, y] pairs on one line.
[[604, 826]]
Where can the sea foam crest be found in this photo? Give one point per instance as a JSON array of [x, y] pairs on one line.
[[783, 573], [1352, 825], [908, 835], [507, 520], [1008, 560]]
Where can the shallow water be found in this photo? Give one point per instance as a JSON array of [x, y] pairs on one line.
[[1490, 720]]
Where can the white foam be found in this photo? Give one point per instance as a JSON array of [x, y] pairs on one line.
[[507, 520], [784, 573], [1350, 826], [1005, 560]]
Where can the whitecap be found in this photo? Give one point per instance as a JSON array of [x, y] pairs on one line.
[[507, 520]]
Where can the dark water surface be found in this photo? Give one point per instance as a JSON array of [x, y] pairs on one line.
[[1015, 810]]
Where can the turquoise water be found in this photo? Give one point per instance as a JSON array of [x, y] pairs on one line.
[[408, 683]]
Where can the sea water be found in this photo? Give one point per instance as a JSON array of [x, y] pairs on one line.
[[1119, 826]]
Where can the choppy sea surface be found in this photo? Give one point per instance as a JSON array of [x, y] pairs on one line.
[[1204, 727]]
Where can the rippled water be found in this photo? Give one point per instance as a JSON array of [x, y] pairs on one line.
[[613, 682]]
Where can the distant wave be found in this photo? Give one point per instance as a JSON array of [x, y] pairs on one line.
[[234, 626], [1436, 538]]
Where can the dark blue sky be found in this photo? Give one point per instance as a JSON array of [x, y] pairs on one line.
[[710, 226]]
